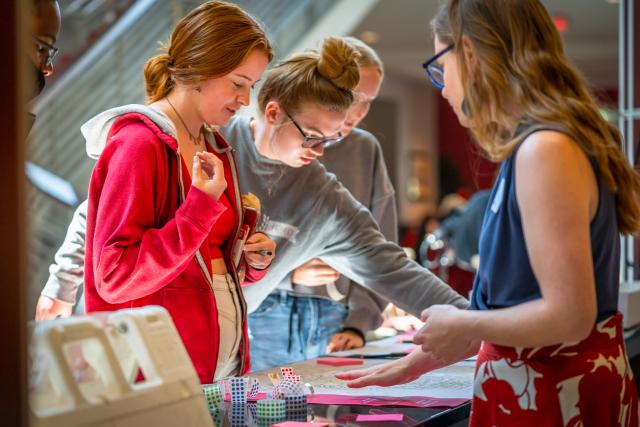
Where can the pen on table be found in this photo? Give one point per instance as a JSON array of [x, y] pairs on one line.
[[373, 355]]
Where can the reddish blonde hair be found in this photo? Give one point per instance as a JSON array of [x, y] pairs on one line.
[[209, 42]]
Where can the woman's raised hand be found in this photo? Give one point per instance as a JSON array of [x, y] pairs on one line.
[[208, 174]]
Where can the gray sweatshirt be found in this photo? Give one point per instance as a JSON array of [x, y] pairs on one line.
[[359, 165], [66, 274], [311, 215]]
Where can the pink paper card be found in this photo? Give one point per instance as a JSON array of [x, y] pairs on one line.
[[379, 417], [410, 401], [299, 424], [339, 361]]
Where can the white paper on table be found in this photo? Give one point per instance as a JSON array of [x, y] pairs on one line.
[[385, 345], [455, 381]]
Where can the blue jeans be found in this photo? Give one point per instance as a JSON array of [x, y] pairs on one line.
[[287, 329]]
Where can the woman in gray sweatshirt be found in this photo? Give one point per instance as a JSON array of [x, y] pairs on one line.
[[332, 312]]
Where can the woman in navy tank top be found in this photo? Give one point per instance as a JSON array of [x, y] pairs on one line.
[[544, 317]]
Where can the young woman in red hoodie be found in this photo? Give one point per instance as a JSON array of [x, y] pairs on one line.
[[165, 216]]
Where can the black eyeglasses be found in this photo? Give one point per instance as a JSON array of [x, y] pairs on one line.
[[314, 141], [434, 71], [46, 51]]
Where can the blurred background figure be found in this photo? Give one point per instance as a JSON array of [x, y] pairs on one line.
[[45, 25], [436, 247]]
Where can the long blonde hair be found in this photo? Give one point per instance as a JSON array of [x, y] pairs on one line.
[[521, 61], [209, 42], [325, 78]]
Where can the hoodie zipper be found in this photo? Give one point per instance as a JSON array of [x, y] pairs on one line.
[[199, 258], [243, 304], [203, 266]]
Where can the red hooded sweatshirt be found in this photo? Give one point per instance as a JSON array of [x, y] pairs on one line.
[[147, 243]]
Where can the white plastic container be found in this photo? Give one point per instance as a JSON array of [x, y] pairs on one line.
[[124, 368], [629, 303]]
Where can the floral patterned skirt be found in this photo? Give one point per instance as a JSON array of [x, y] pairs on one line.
[[585, 384]]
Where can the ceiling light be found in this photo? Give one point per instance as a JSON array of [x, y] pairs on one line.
[[561, 22]]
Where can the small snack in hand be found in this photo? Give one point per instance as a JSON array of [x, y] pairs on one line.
[[250, 218], [250, 200]]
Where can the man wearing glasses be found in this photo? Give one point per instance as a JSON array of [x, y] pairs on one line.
[[44, 28]]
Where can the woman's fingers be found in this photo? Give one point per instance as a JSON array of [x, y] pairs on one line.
[[332, 276], [256, 238], [209, 163], [196, 168], [352, 344], [49, 308], [208, 174], [352, 375], [259, 250], [345, 340], [382, 377], [268, 245], [322, 273]]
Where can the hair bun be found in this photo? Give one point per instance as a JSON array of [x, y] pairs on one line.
[[161, 59], [338, 63], [157, 76]]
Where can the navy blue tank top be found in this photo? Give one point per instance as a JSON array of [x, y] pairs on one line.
[[505, 277]]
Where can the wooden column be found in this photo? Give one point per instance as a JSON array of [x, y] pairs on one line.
[[13, 354]]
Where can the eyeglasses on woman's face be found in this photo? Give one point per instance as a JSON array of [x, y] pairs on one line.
[[315, 141], [434, 70]]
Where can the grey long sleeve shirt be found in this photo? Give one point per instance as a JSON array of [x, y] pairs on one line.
[[311, 215], [66, 274], [359, 165]]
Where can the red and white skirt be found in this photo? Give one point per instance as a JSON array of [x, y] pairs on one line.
[[585, 384]]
